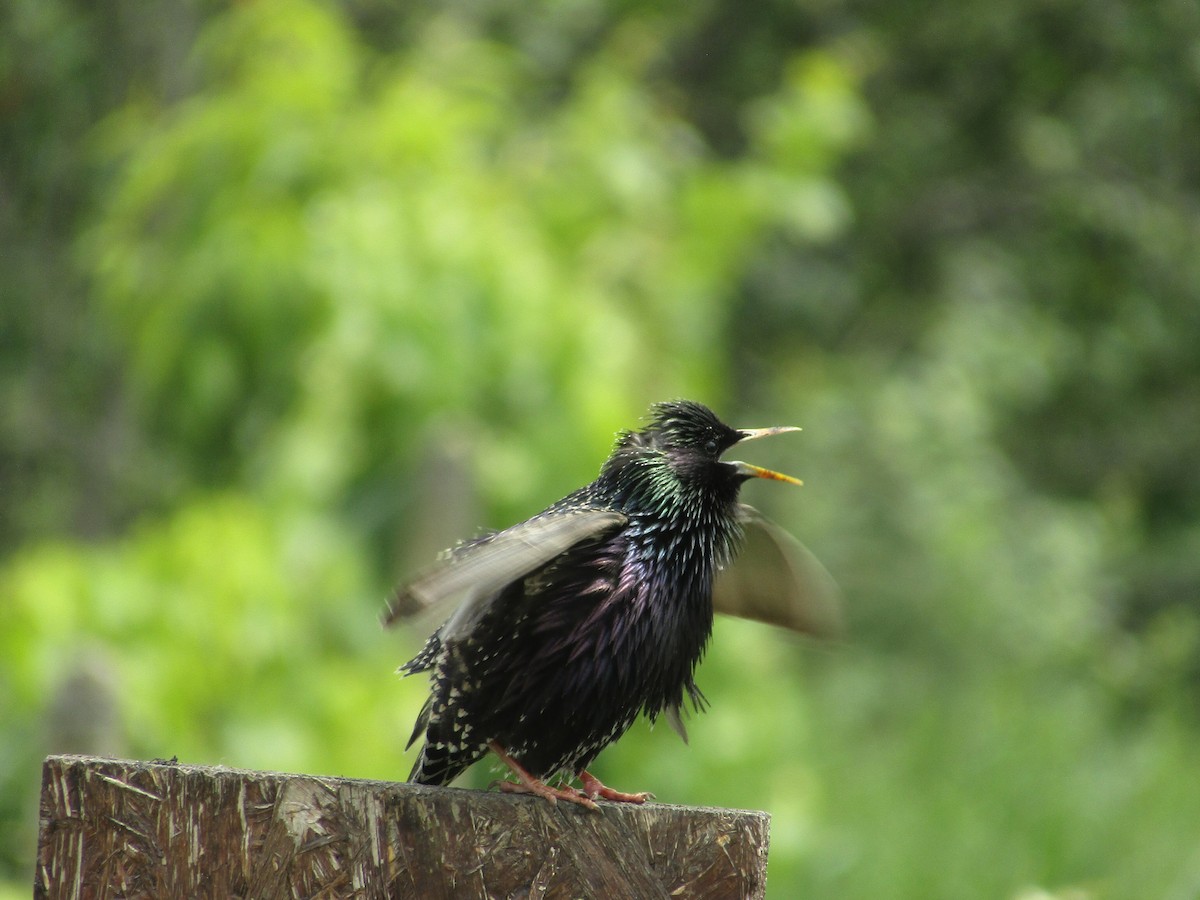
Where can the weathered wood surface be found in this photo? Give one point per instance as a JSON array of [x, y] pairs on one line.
[[119, 828]]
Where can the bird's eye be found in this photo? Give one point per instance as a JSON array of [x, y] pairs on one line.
[[711, 446]]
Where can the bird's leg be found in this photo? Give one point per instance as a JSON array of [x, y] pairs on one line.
[[594, 787], [531, 785]]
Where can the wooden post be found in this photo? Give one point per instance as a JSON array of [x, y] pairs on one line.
[[119, 828]]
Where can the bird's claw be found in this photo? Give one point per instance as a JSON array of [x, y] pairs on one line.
[[543, 790], [532, 785], [593, 787], [622, 797]]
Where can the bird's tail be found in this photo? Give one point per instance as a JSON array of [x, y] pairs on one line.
[[435, 766], [441, 759]]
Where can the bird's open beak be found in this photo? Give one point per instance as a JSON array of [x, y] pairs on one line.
[[750, 434], [748, 471]]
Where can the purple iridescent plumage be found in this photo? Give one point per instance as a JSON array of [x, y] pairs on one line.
[[589, 614]]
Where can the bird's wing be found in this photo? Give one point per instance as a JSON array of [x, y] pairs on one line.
[[471, 574], [777, 580]]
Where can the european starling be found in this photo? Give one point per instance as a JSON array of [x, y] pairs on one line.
[[572, 623]]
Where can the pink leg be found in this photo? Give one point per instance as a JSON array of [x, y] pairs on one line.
[[531, 785], [594, 787]]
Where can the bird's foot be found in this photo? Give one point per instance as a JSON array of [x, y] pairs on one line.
[[593, 787], [531, 785], [541, 789]]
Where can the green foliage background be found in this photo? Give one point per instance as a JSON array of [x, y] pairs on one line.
[[295, 293]]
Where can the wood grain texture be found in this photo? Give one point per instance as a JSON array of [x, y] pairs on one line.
[[120, 828]]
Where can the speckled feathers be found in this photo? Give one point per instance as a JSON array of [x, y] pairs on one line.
[[594, 611]]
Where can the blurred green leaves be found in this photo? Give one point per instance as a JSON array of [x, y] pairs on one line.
[[322, 241], [206, 626]]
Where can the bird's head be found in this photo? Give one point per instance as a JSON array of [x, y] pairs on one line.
[[690, 439]]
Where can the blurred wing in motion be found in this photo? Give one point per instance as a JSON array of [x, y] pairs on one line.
[[470, 575], [776, 580]]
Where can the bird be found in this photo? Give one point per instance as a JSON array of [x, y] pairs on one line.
[[568, 626]]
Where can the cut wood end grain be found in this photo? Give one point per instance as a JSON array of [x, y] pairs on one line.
[[112, 827]]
